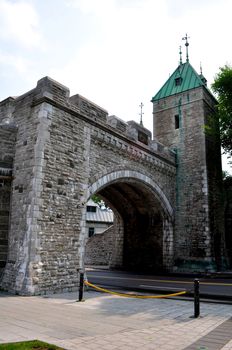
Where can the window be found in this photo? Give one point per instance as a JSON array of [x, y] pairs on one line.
[[177, 121], [142, 137], [91, 209], [178, 81], [91, 231]]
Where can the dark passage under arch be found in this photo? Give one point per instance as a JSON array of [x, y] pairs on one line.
[[140, 228]]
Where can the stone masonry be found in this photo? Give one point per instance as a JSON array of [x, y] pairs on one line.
[[7, 146], [228, 216], [66, 149], [99, 248], [199, 242], [57, 151]]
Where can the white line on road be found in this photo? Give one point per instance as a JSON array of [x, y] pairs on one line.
[[156, 287]]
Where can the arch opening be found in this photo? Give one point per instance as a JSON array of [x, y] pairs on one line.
[[141, 238]]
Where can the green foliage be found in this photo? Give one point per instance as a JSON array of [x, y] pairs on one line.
[[222, 86], [29, 345], [96, 199], [99, 202]]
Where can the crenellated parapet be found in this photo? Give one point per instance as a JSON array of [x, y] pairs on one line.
[[50, 91], [56, 147]]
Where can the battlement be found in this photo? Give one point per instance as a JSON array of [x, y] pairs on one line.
[[50, 91], [89, 108]]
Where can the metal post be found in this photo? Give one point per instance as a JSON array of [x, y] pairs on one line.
[[196, 298], [81, 286]]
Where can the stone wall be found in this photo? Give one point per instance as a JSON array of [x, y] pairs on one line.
[[165, 192], [64, 146], [7, 147], [107, 248], [198, 207], [228, 218], [215, 187], [99, 248]]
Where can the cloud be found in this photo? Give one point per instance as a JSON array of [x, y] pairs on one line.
[[19, 23], [18, 63], [133, 46], [106, 8], [123, 49], [92, 6]]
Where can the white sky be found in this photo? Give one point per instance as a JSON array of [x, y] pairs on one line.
[[117, 53]]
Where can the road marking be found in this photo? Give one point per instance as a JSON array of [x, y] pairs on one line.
[[156, 287], [165, 281]]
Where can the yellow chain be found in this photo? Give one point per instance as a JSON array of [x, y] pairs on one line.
[[133, 295]]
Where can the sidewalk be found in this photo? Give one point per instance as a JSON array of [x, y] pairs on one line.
[[108, 322]]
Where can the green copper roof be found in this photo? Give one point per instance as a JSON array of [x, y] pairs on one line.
[[184, 78]]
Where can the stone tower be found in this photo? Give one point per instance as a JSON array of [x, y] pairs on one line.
[[181, 110]]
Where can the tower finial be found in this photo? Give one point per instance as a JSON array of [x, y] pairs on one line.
[[180, 53], [141, 113], [187, 45], [204, 81]]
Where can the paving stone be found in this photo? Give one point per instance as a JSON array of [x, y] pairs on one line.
[[56, 322]]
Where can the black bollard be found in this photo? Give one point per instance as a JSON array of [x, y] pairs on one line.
[[81, 286], [196, 299]]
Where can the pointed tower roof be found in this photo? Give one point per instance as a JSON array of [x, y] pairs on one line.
[[184, 78]]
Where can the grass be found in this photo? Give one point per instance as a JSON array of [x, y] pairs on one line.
[[29, 345]]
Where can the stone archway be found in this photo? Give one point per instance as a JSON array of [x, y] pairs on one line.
[[144, 227]]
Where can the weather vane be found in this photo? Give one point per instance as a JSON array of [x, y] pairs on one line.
[[187, 45], [141, 113]]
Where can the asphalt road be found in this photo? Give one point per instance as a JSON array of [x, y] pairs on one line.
[[210, 287]]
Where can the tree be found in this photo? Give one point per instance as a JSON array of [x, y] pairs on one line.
[[222, 86], [99, 202]]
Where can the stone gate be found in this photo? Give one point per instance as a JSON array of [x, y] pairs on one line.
[[57, 151]]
